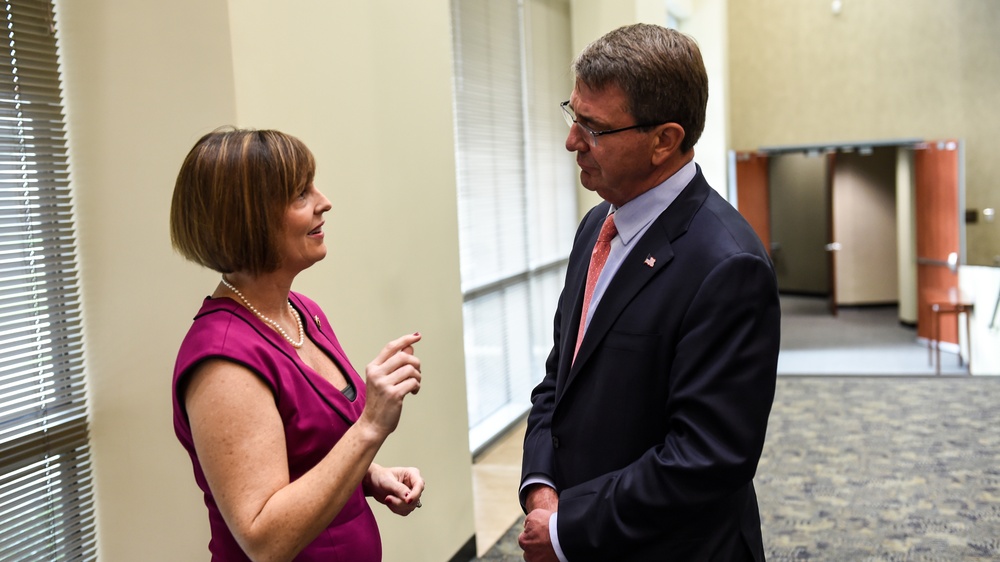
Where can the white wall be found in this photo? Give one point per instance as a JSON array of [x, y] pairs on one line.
[[367, 85], [982, 284]]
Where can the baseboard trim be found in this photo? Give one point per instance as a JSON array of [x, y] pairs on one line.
[[467, 553]]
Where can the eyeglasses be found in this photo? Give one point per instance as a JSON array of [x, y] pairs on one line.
[[592, 135]]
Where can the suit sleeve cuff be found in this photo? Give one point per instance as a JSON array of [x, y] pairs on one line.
[[528, 481]]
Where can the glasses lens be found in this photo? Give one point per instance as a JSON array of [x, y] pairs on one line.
[[567, 114], [570, 118]]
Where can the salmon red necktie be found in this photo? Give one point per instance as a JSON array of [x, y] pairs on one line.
[[597, 260]]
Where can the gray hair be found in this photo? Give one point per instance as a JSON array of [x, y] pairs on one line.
[[660, 70]]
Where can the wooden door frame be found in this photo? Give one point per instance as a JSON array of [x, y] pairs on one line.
[[831, 234]]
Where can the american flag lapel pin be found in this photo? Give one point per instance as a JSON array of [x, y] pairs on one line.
[[650, 261]]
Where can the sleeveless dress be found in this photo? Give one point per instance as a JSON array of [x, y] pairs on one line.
[[314, 413]]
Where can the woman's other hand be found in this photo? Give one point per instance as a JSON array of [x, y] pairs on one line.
[[399, 488]]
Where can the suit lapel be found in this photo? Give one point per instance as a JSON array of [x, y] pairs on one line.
[[576, 280], [650, 256]]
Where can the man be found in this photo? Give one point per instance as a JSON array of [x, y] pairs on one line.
[[644, 436]]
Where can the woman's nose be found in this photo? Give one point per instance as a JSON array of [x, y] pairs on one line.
[[324, 204]]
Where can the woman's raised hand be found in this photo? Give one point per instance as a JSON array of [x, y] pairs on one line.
[[394, 373]]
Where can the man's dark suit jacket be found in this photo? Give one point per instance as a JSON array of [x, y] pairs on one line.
[[653, 435]]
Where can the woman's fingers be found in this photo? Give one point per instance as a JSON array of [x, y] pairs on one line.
[[395, 346], [394, 373], [406, 495], [411, 477], [396, 365], [397, 370]]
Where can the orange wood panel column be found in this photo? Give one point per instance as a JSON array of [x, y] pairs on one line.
[[752, 196], [937, 229]]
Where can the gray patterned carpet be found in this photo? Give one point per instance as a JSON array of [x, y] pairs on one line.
[[857, 469]]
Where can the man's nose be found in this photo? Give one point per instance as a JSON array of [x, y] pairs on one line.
[[576, 140]]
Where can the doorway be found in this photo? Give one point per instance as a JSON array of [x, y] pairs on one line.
[[841, 221]]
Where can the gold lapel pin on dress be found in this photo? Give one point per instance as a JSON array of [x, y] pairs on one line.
[[316, 320]]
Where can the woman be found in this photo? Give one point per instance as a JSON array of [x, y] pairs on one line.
[[281, 429]]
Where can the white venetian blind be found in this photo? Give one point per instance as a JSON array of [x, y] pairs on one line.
[[46, 508], [516, 196]]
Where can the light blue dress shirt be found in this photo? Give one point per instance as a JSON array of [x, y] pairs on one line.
[[632, 220]]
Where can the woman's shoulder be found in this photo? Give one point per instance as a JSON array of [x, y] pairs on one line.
[[215, 314], [221, 328]]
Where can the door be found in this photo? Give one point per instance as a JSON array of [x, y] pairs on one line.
[[864, 216], [938, 228], [799, 222]]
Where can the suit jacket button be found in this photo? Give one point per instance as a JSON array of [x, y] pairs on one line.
[[555, 442]]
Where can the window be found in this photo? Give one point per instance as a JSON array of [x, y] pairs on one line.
[[46, 508], [516, 196]]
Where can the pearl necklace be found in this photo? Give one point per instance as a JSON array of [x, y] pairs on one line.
[[272, 323]]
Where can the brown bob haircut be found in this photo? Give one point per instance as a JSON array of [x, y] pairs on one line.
[[230, 198]]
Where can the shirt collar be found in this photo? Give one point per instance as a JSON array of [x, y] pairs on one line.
[[633, 217]]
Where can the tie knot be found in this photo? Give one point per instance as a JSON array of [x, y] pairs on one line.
[[608, 230]]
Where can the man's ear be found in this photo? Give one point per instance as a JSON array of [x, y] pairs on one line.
[[667, 142]]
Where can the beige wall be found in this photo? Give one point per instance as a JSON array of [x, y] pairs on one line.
[[877, 71], [367, 85], [137, 97]]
